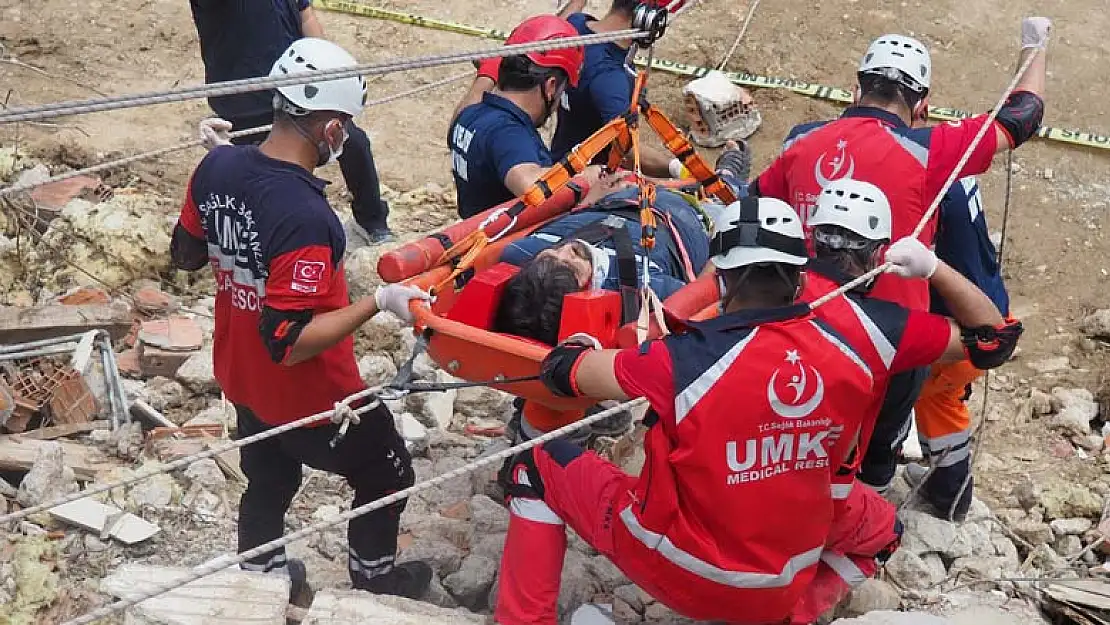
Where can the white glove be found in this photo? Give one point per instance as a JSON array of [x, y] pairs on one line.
[[1035, 31], [214, 132], [582, 338], [911, 259], [395, 298]]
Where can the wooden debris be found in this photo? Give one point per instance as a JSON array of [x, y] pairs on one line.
[[17, 453], [230, 596], [20, 324], [61, 431], [1083, 602], [107, 521]]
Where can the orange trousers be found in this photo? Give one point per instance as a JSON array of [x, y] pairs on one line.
[[944, 430]]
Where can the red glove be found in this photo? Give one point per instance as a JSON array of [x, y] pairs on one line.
[[490, 68]]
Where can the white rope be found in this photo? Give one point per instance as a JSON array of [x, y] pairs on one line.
[[187, 460], [121, 162], [57, 109], [955, 175], [222, 562], [739, 36]]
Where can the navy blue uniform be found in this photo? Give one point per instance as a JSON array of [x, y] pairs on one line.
[[604, 92], [668, 273], [487, 140], [242, 39], [964, 242]]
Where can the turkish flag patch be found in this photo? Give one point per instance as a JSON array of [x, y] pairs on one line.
[[307, 274]]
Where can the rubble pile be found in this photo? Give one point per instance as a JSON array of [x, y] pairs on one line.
[[155, 399]]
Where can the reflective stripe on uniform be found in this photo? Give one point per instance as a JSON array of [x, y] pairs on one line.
[[692, 394], [734, 579], [277, 562], [947, 450], [887, 352], [369, 568], [841, 491], [844, 349], [913, 148], [844, 567], [534, 510]]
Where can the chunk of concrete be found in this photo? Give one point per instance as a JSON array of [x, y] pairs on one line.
[[359, 608], [104, 519], [230, 596]]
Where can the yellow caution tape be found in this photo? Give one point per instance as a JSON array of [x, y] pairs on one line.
[[813, 90]]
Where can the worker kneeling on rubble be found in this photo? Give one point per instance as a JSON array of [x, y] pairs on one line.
[[750, 414], [283, 348]]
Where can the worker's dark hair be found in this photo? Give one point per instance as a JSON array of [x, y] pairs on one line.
[[853, 260], [519, 73], [882, 91], [532, 305], [765, 285], [624, 6]]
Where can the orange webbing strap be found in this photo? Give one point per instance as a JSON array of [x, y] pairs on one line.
[[470, 247], [685, 152]]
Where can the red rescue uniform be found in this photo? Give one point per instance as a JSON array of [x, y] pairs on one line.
[[910, 165]]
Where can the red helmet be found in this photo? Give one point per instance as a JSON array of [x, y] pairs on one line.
[[543, 28]]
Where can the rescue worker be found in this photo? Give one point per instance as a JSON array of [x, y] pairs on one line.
[[283, 348], [873, 140], [851, 226], [496, 152], [604, 90], [943, 421], [240, 39], [729, 516], [582, 250]]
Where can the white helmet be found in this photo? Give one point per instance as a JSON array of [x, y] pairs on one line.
[[904, 54], [343, 95], [753, 231], [854, 205]]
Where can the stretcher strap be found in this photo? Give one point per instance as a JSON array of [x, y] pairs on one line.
[[651, 307], [684, 151]]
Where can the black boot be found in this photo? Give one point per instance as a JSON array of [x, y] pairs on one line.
[[300, 593], [736, 160], [410, 580]]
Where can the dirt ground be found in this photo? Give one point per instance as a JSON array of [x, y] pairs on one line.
[[1056, 248]]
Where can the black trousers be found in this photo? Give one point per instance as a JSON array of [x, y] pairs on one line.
[[357, 163], [892, 427], [372, 457]]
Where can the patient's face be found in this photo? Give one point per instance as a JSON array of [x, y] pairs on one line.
[[574, 255]]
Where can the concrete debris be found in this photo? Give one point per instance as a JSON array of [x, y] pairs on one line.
[[361, 268], [1075, 409], [105, 520], [1070, 501], [382, 334], [910, 570], [483, 402], [871, 595], [453, 491], [48, 479], [1027, 492], [197, 373], [470, 585], [359, 608], [230, 596], [924, 533], [1051, 365], [19, 324], [157, 492], [163, 394], [1040, 403], [376, 369], [593, 614], [206, 474], [1097, 325], [605, 572], [488, 545], [633, 596], [438, 595], [443, 556], [150, 300], [413, 432], [1068, 546], [488, 516], [434, 410], [577, 586], [214, 415], [1033, 532], [884, 617], [1071, 527], [127, 440]]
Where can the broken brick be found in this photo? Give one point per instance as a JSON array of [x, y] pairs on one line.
[[152, 301], [85, 295], [155, 362], [128, 362], [177, 334], [55, 195]]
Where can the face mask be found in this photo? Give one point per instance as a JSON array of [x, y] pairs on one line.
[[599, 260]]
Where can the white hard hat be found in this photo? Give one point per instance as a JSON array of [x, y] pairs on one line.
[[758, 230], [854, 205], [343, 95], [904, 54]]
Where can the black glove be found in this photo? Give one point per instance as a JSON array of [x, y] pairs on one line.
[[988, 347], [557, 369], [737, 162]]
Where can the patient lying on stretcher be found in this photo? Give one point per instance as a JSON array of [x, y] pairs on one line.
[[599, 247]]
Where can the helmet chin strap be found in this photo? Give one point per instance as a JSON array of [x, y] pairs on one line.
[[323, 150], [549, 105]]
